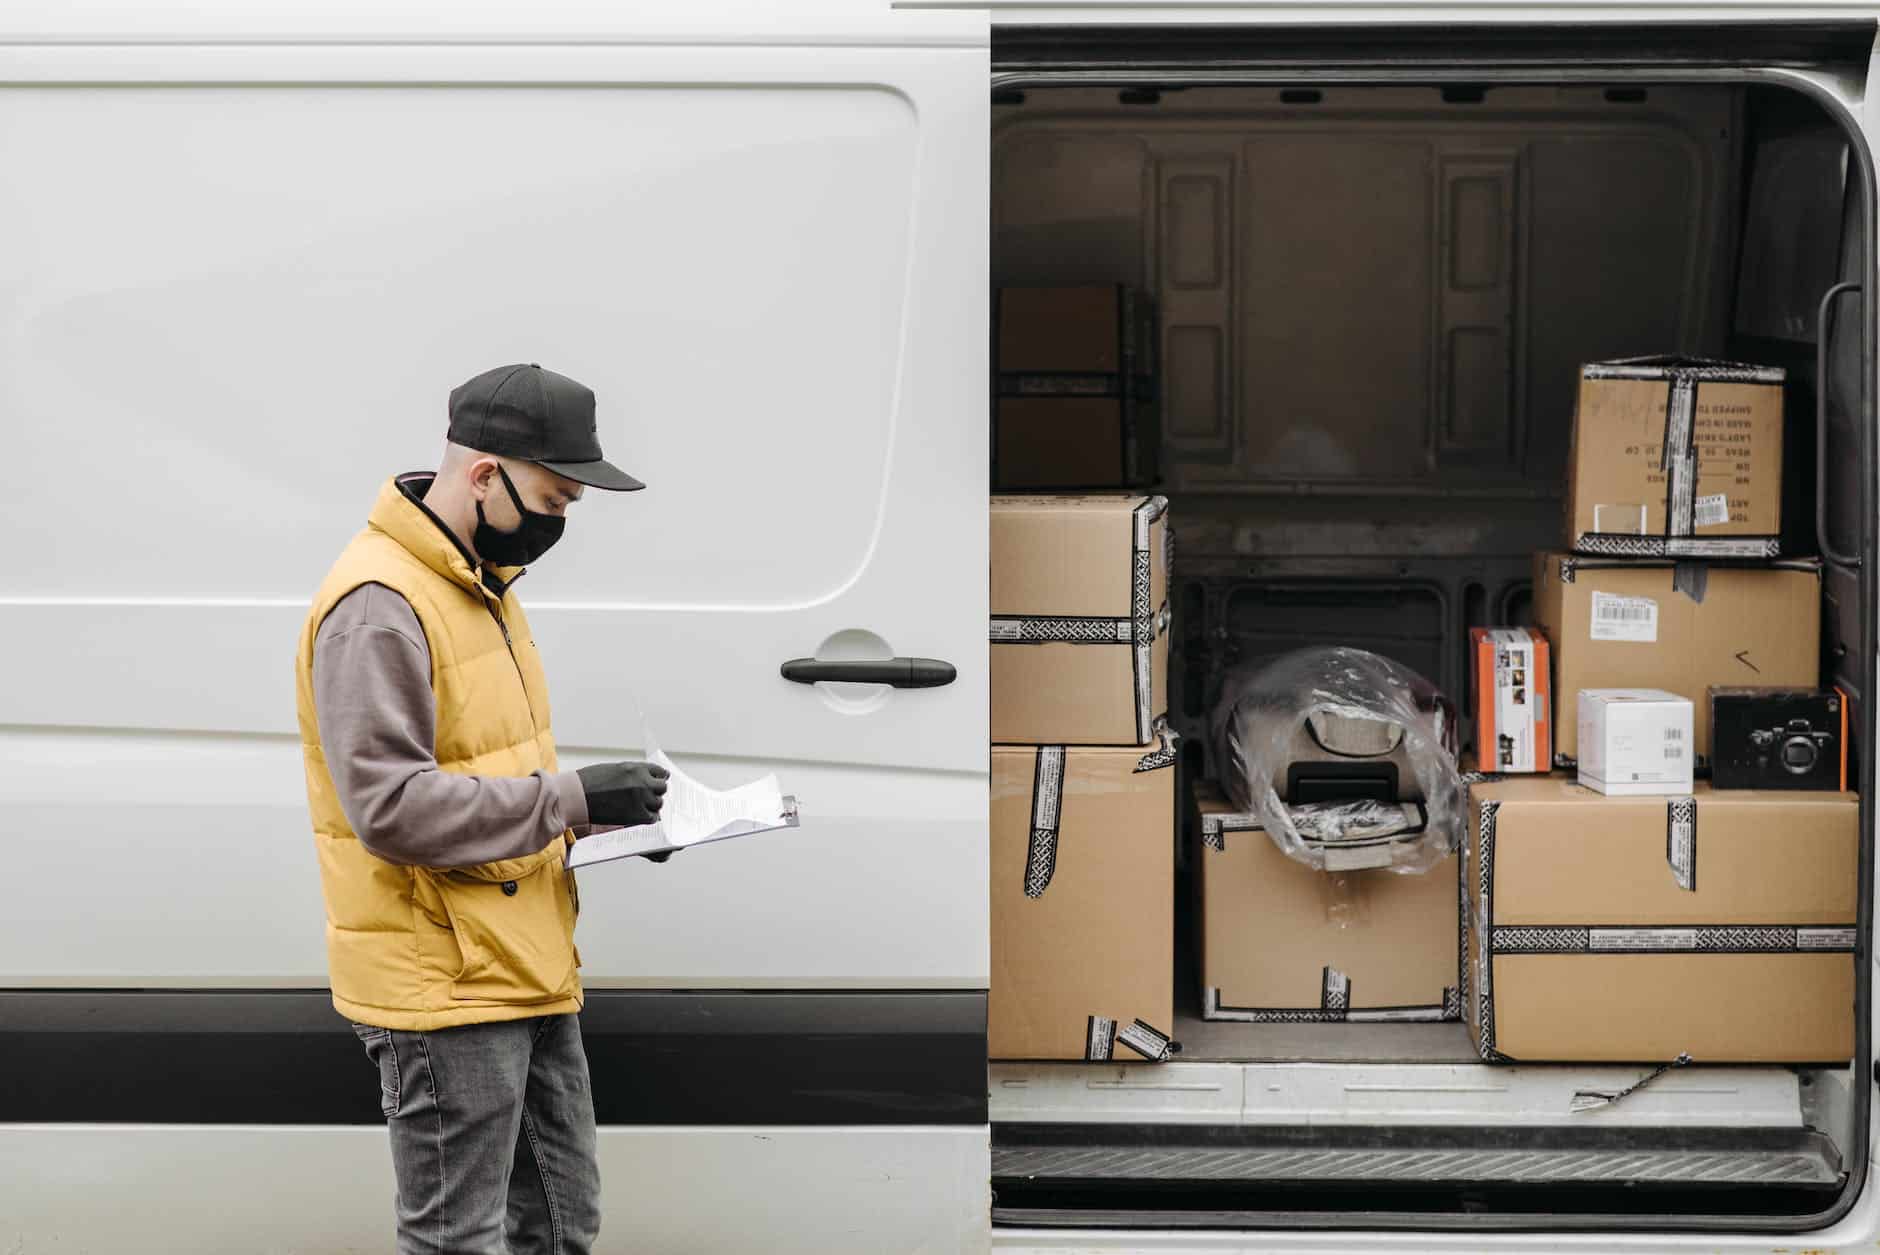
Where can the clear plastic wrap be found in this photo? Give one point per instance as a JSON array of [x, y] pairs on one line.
[[1291, 733]]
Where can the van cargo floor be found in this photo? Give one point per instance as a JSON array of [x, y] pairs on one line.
[[1039, 1169], [1216, 1040]]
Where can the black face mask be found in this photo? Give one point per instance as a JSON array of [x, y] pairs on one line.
[[528, 542]]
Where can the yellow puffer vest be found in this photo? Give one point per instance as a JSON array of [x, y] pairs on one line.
[[422, 948]]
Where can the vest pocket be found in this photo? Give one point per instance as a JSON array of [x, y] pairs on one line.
[[516, 934]]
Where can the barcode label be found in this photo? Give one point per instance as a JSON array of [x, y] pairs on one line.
[[1674, 753], [1674, 734], [1711, 510], [1624, 618]]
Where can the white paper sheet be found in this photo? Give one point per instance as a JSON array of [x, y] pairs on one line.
[[693, 814]]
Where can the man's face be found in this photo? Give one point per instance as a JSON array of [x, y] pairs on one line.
[[542, 492]]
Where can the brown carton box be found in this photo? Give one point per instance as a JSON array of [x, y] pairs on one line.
[[1083, 911], [1283, 943], [1636, 929], [1676, 457], [1079, 619], [1681, 627], [1072, 408]]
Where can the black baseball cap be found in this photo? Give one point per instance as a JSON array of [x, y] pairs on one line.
[[538, 416]]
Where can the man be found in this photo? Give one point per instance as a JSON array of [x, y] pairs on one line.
[[442, 825]]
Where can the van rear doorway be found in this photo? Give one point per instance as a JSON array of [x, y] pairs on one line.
[[1372, 300]]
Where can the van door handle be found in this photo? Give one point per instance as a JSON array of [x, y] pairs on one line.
[[901, 673]]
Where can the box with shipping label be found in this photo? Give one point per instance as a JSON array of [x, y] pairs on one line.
[[1074, 392], [1510, 674], [1635, 741], [1079, 592], [1776, 738], [1720, 924], [1083, 910], [1676, 457], [1283, 943], [1677, 626]]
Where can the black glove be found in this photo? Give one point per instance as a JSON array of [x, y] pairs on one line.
[[628, 794]]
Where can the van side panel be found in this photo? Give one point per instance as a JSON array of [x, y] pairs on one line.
[[243, 308]]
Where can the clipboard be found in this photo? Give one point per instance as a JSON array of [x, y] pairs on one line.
[[605, 847]]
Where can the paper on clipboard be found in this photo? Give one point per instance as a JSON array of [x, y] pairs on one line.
[[693, 814]]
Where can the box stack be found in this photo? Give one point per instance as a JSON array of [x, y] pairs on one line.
[[1719, 924], [1083, 780], [1634, 913]]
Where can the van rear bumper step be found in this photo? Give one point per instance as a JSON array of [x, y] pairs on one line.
[[1063, 1174], [1066, 1162]]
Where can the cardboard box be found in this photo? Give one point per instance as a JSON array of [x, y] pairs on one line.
[[1677, 626], [1079, 652], [1083, 910], [1281, 943], [1635, 742], [1511, 677], [1634, 929], [1773, 738], [1676, 457], [1074, 394]]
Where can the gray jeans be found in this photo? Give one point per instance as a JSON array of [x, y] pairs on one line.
[[492, 1131]]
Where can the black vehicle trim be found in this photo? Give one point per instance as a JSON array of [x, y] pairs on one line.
[[677, 1057]]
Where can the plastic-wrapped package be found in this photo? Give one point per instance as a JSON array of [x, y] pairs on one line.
[[1348, 758]]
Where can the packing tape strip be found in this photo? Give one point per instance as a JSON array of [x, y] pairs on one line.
[[1334, 992], [1485, 914], [1449, 1009], [1047, 801], [1143, 611], [1678, 454], [1681, 841], [1103, 1035], [1168, 743], [1099, 1038], [1060, 383], [1151, 1043], [1622, 545], [1671, 939]]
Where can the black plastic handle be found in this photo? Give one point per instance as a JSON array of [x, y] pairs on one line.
[[901, 673], [1823, 322]]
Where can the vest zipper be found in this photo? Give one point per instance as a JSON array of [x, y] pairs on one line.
[[574, 895]]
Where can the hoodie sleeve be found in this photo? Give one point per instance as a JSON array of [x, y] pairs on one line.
[[378, 727]]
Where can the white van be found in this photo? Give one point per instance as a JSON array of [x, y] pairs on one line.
[[245, 252]]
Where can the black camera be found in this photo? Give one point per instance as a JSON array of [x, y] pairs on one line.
[[1764, 738], [1794, 746]]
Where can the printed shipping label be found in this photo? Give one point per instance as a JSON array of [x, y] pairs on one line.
[[1824, 939], [1624, 618], [1681, 840], [1711, 510], [1718, 547], [1612, 939]]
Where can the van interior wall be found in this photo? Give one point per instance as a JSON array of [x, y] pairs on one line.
[[1373, 303]]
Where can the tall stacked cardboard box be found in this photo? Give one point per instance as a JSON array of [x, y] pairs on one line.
[[1083, 779], [1708, 925]]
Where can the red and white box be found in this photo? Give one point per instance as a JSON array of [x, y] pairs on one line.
[[1513, 700]]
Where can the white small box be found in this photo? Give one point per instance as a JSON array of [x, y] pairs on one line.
[[1635, 741]]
